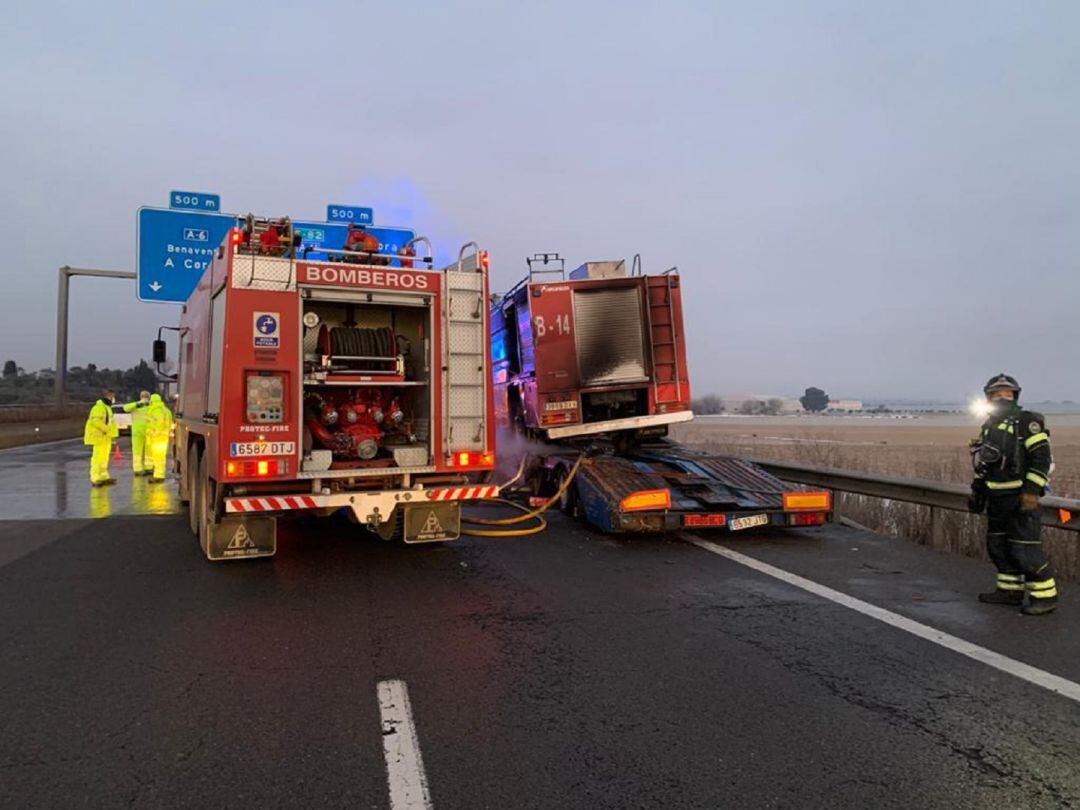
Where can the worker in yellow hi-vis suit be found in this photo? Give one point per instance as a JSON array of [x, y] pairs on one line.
[[99, 432], [140, 460], [159, 420]]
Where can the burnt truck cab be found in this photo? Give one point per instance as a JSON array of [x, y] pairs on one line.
[[331, 380], [599, 352]]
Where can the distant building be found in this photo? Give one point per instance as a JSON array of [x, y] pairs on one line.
[[845, 405]]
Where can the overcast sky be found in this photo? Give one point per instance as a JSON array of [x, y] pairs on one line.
[[882, 199]]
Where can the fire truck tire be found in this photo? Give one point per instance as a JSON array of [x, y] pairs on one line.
[[206, 505], [394, 529], [568, 496], [191, 479]]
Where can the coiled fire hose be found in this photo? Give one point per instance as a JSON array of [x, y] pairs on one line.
[[527, 514]]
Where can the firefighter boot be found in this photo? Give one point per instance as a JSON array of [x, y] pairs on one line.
[[1000, 597], [1039, 607], [1009, 591], [1042, 596]]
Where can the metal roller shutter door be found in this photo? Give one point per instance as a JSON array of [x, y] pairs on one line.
[[609, 336]]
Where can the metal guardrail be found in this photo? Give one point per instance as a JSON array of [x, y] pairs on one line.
[[1059, 513]]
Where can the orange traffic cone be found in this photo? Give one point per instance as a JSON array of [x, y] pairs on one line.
[[116, 453]]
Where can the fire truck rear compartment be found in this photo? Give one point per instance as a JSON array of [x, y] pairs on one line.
[[366, 398]]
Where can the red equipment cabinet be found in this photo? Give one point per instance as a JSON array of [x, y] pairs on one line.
[[601, 352], [314, 386]]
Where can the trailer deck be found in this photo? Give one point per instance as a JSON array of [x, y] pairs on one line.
[[663, 486]]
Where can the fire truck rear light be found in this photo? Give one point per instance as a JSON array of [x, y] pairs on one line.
[[807, 501], [237, 236], [465, 458], [256, 468], [485, 260], [555, 418], [646, 499]]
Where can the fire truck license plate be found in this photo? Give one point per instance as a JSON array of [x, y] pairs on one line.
[[238, 449], [748, 522]]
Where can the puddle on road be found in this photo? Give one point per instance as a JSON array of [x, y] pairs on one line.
[[54, 482]]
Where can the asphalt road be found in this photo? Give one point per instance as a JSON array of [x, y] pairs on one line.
[[569, 670]]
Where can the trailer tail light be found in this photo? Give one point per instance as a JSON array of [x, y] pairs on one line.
[[704, 521], [807, 501], [808, 519], [256, 468], [467, 458], [646, 499]]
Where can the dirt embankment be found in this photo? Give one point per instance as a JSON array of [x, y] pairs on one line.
[[15, 434]]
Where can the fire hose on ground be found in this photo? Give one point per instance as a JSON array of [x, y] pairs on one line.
[[527, 514]]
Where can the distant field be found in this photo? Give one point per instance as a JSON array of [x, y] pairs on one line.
[[932, 447]]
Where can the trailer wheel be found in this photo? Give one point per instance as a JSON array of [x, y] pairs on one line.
[[194, 492]]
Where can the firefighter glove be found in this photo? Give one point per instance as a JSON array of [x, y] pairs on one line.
[[978, 496], [1029, 501]]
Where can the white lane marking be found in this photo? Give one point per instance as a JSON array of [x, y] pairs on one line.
[[404, 766], [1039, 677]]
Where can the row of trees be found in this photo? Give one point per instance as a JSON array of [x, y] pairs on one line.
[[814, 399], [712, 404], [84, 384]]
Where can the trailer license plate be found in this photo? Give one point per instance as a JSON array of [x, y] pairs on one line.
[[748, 522], [242, 449]]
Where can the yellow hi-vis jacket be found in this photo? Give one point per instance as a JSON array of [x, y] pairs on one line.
[[137, 409], [159, 418], [100, 425]]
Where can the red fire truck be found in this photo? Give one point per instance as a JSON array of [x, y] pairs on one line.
[[595, 366], [349, 380], [602, 352]]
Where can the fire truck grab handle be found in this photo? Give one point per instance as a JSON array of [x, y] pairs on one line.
[[461, 255], [430, 258], [635, 265]]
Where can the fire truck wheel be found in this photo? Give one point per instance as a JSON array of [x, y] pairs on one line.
[[207, 515], [191, 478], [393, 530], [568, 499]]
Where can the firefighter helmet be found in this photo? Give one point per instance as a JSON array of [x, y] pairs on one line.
[[1002, 382]]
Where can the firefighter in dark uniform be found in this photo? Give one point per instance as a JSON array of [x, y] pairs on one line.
[[1012, 469]]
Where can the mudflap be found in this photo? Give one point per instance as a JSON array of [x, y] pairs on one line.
[[432, 522], [240, 537]]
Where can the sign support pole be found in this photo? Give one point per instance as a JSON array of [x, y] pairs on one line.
[[63, 285]]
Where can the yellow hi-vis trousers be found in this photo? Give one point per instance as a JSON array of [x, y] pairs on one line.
[[99, 461], [140, 460], [158, 451]]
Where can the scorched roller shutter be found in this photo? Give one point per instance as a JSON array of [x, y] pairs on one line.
[[609, 336]]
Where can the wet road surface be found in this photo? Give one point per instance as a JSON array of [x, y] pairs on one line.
[[53, 481], [570, 670]]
